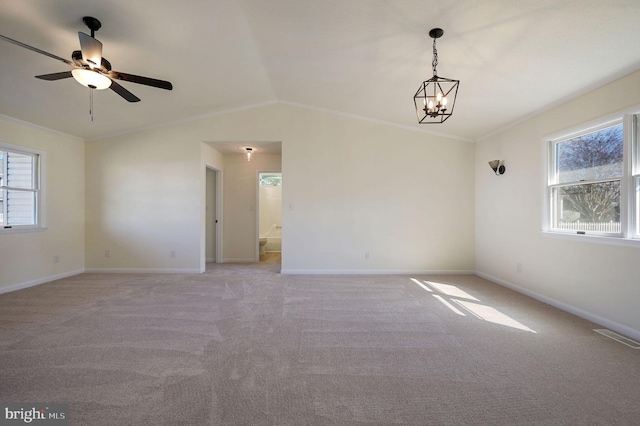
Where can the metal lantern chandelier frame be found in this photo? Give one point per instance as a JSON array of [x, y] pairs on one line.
[[435, 97]]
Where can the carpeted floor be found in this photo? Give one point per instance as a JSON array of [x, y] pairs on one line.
[[244, 345]]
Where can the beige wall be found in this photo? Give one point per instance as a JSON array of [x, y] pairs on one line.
[[27, 258], [596, 281], [352, 187]]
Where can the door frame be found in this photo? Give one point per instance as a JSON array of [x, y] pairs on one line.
[[218, 243]]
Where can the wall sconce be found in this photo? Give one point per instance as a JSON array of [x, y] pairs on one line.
[[497, 166]]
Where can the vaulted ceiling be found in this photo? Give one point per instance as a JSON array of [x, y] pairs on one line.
[[358, 57]]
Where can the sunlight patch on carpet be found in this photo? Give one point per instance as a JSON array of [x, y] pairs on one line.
[[493, 315], [451, 295]]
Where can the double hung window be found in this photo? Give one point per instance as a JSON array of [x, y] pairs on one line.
[[19, 188], [594, 181]]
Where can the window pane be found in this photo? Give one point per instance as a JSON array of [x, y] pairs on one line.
[[593, 156], [588, 207], [19, 171], [21, 208]]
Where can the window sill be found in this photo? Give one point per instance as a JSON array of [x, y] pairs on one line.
[[22, 229], [590, 238]]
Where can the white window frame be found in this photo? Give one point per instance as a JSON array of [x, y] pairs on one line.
[[38, 190], [629, 182], [633, 168]]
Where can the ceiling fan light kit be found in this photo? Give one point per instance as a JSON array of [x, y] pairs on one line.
[[91, 79], [89, 67]]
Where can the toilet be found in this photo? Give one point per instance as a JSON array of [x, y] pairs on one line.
[[263, 243]]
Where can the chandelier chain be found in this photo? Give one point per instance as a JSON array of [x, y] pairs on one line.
[[434, 63]]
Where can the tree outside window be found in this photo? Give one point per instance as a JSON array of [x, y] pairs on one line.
[[587, 173]]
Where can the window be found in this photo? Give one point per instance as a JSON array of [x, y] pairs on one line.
[[19, 188], [270, 179], [588, 188]]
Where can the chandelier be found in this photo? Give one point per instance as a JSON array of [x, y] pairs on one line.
[[435, 97]]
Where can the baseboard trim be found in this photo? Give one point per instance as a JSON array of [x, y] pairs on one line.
[[373, 272], [27, 284], [142, 271], [605, 322]]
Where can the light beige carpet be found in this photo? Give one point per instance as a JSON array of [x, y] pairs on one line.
[[244, 345]]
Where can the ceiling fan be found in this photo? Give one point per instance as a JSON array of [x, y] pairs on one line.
[[89, 67]]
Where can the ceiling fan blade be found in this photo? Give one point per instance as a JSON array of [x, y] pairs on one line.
[[141, 80], [124, 92], [55, 76], [35, 49], [91, 50]]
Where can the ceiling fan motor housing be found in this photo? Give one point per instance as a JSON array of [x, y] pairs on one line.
[[105, 65]]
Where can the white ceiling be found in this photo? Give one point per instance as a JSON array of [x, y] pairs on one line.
[[358, 57]]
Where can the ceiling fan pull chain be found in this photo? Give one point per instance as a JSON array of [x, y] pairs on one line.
[[91, 103]]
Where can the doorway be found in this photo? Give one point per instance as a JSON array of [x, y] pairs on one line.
[[270, 217]]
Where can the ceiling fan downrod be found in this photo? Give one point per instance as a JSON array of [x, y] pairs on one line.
[[93, 24]]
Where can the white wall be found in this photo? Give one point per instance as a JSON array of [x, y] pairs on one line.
[[596, 281], [145, 201], [352, 186], [27, 258]]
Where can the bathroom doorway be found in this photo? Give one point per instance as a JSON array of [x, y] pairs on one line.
[[270, 217]]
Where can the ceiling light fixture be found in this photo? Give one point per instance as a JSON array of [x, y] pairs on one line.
[[91, 79], [249, 152], [435, 97]]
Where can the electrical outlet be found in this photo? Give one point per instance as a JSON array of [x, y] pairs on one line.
[[519, 267], [172, 254], [107, 253], [367, 255], [56, 259]]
